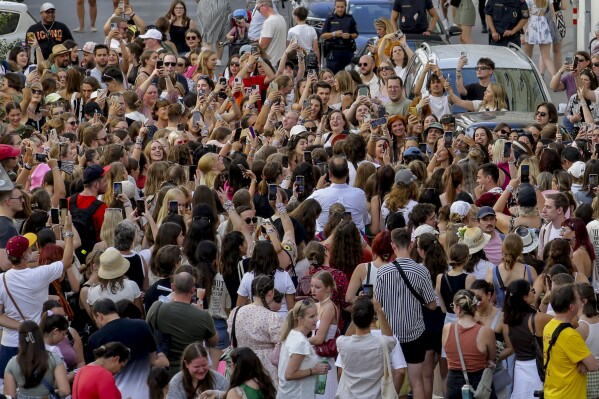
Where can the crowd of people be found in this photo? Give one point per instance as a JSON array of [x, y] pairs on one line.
[[171, 227]]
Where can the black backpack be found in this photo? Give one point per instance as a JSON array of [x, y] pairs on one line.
[[84, 223]]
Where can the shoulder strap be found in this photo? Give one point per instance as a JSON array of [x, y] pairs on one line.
[[448, 285], [495, 320], [154, 320], [457, 341], [233, 335], [368, 272], [554, 336], [499, 279], [10, 296], [240, 271], [408, 284], [47, 385], [532, 324]]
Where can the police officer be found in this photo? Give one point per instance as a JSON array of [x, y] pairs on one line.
[[339, 32], [505, 19]]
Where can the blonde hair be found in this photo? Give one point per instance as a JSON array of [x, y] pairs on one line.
[[384, 23], [533, 168], [291, 321], [498, 97], [205, 165], [365, 170], [202, 61], [497, 152], [111, 219], [148, 150], [466, 301], [157, 173], [345, 82], [114, 175], [170, 196], [511, 250]]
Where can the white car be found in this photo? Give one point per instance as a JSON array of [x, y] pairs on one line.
[[15, 19]]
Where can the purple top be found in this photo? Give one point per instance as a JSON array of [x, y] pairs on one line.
[[570, 83], [68, 353]]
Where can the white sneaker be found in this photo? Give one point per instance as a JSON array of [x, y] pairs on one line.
[[445, 23]]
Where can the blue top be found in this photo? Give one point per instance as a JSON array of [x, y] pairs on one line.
[[501, 288]]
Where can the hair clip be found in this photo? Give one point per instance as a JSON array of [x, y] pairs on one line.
[[49, 313], [29, 338]]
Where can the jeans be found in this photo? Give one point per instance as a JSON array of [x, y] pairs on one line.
[[455, 382]]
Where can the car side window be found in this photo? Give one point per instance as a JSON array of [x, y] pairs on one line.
[[9, 21], [522, 89]]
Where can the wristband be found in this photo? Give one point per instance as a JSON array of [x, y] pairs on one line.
[[66, 234], [267, 103], [509, 189], [229, 206], [281, 208], [27, 166]]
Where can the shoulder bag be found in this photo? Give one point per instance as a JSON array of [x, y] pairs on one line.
[[408, 284], [387, 387], [329, 348], [538, 350], [225, 363], [11, 298], [484, 388]]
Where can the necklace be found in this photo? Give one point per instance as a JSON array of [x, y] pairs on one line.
[[484, 316]]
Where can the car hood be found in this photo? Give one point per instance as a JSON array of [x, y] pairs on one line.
[[472, 120]]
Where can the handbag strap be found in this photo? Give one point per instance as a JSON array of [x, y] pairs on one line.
[[448, 285], [50, 388], [457, 341], [368, 272], [386, 358], [408, 284], [233, 335], [10, 296]]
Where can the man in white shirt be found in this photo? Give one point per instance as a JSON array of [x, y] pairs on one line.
[[274, 31], [554, 212], [368, 76], [304, 34], [340, 192]]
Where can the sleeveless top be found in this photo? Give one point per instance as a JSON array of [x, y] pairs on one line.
[[177, 36], [500, 286], [449, 286], [136, 269], [592, 340], [522, 340], [68, 353], [474, 359], [371, 273], [247, 392]]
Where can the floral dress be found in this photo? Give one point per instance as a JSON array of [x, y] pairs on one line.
[[538, 31], [260, 329]]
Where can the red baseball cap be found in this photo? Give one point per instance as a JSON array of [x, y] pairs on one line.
[[17, 245], [8, 151]]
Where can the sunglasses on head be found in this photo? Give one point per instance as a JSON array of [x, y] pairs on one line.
[[253, 220]]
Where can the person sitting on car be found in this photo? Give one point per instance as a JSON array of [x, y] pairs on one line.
[[484, 71], [493, 100], [435, 96]]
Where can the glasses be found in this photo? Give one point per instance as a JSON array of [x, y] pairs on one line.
[[191, 38], [253, 220], [596, 64], [20, 198], [543, 114], [72, 123], [236, 64], [37, 91], [386, 68], [581, 59], [363, 64], [180, 64], [481, 68], [311, 129], [170, 64]]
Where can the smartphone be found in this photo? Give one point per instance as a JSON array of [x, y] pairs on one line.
[[574, 63], [180, 127], [367, 118], [347, 216], [54, 216], [53, 134], [399, 34], [173, 207], [378, 122], [301, 181], [363, 91], [524, 175], [273, 86], [201, 92], [192, 171], [569, 59], [141, 207], [422, 147], [237, 134], [63, 213], [117, 188], [507, 149], [63, 203], [252, 132], [256, 88], [272, 192], [255, 50], [311, 72], [197, 117], [448, 139], [308, 156], [285, 161], [218, 117], [222, 81], [413, 111], [596, 148], [113, 26], [368, 290], [39, 157], [32, 68], [278, 125], [159, 64], [237, 81], [594, 180], [307, 104], [30, 38]]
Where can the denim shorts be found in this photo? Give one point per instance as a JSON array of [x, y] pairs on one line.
[[223, 335]]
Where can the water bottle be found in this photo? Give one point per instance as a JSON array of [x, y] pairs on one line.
[[321, 380], [466, 392]]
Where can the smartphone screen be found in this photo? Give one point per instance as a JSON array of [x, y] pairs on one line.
[[300, 180], [197, 117], [307, 156], [422, 147], [524, 174], [448, 139], [507, 149], [272, 192], [63, 203], [192, 171], [368, 290], [307, 104], [594, 180], [237, 134], [274, 86], [54, 216], [240, 166], [222, 81], [378, 122], [118, 188], [141, 207], [252, 132], [363, 91], [173, 207], [285, 161], [159, 64]]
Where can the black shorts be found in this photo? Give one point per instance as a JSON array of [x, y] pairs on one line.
[[414, 351]]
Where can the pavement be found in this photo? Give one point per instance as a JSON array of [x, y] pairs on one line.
[[150, 10]]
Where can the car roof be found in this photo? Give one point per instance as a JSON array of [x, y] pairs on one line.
[[504, 57], [11, 5], [491, 119]]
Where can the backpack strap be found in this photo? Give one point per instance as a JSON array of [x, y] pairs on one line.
[[553, 340], [500, 280]]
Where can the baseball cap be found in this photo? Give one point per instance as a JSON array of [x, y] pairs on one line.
[[47, 6], [152, 34], [8, 151], [527, 197], [404, 177], [485, 211], [93, 173], [297, 129], [246, 48], [412, 151], [89, 47], [17, 245]]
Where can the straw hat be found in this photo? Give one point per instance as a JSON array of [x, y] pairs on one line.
[[112, 264], [474, 238]]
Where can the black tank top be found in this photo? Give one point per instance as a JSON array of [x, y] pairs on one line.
[[456, 283], [136, 270], [522, 340], [177, 36]]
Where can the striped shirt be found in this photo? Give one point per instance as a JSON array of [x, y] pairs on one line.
[[403, 310]]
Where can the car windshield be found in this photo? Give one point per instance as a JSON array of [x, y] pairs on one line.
[[365, 14]]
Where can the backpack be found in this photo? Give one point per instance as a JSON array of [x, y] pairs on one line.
[[84, 223]]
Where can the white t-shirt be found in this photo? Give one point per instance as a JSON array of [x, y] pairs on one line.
[[297, 343], [439, 106], [29, 288], [283, 284], [305, 35], [406, 210], [130, 292], [275, 27], [353, 171]]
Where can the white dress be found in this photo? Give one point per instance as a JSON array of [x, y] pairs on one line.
[[538, 29], [331, 387]]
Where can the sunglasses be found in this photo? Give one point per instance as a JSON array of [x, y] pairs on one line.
[[253, 220], [363, 64], [543, 114], [170, 64], [481, 68], [234, 64], [37, 91], [386, 68], [506, 132], [72, 123], [596, 64], [182, 64], [581, 59], [311, 129], [191, 38]]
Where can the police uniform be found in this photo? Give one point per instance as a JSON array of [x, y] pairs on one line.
[[505, 15], [340, 50], [413, 15]]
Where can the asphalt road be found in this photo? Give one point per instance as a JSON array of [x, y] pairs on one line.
[[150, 10]]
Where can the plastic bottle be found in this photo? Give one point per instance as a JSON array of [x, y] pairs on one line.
[[321, 380], [466, 393]]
